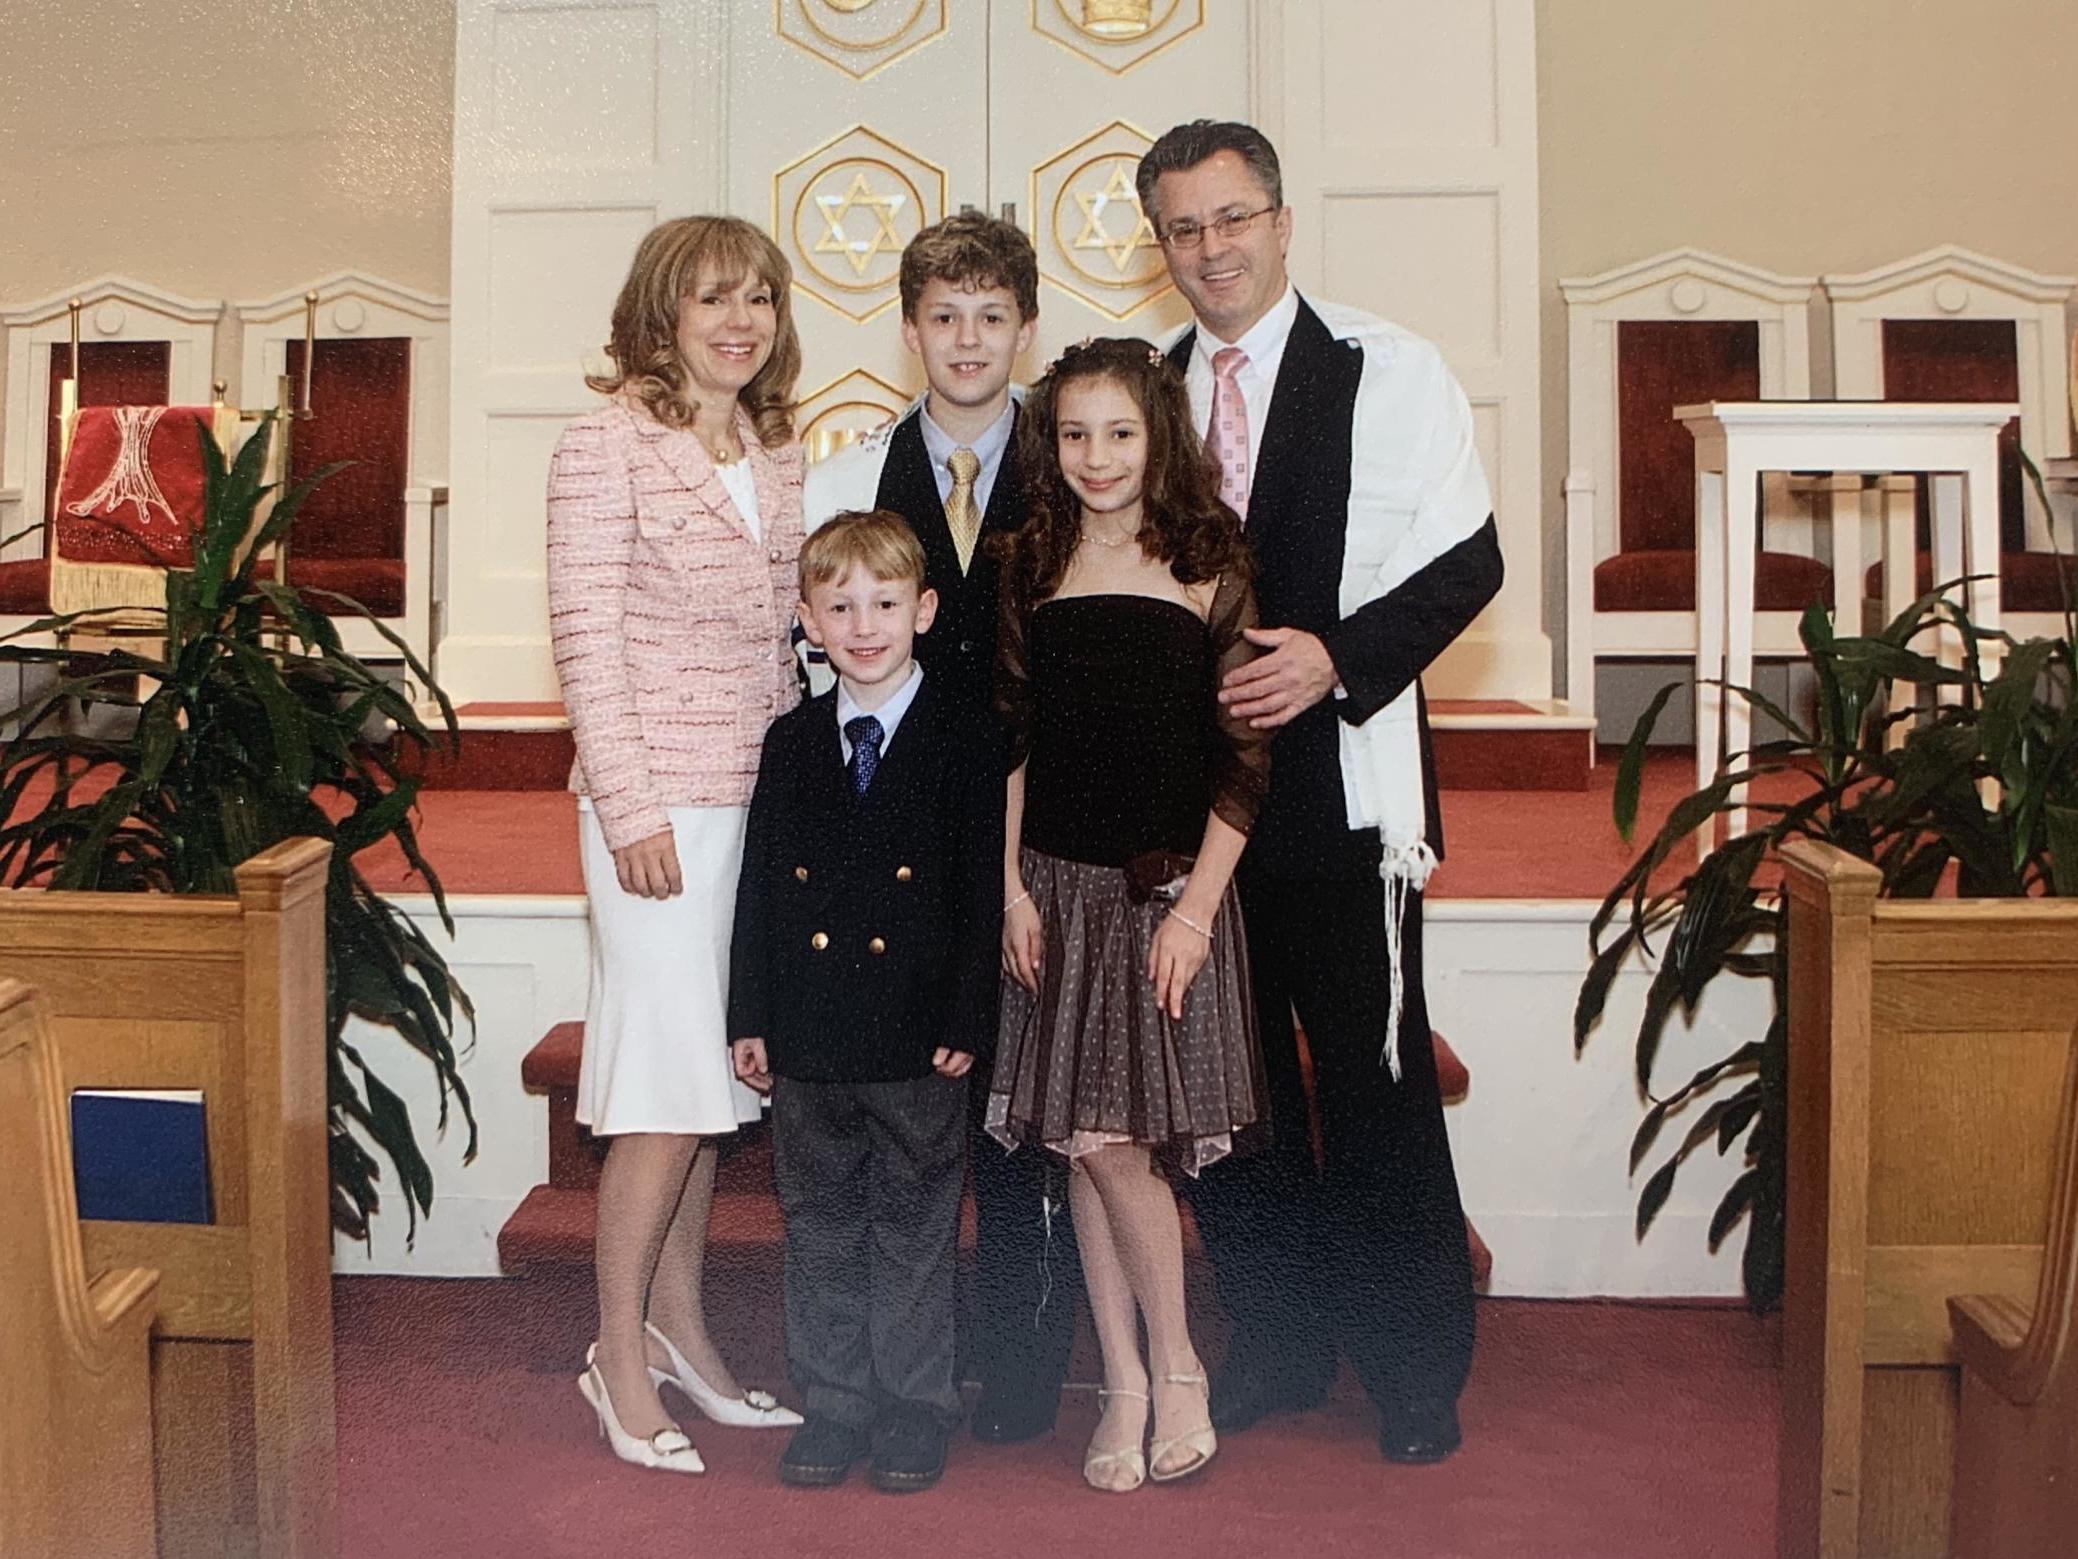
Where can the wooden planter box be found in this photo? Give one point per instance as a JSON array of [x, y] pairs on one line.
[[226, 995], [1928, 1047]]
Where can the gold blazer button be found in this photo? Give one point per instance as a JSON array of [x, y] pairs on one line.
[[800, 874], [877, 945], [903, 874], [819, 941]]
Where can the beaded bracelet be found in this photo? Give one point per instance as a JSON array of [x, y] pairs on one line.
[[1022, 898], [1177, 914]]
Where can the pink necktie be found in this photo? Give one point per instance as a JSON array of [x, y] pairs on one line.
[[1227, 439]]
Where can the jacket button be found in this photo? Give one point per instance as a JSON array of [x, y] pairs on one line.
[[966, 646], [819, 941], [800, 874], [876, 946], [903, 874], [678, 522], [775, 554]]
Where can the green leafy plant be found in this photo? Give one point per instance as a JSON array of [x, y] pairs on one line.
[[1903, 789], [247, 730]]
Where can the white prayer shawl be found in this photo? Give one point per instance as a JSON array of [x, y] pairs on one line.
[[1416, 490], [849, 478]]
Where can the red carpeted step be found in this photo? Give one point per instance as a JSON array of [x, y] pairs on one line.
[[1471, 758], [1480, 744], [574, 1154], [494, 760], [554, 1226]]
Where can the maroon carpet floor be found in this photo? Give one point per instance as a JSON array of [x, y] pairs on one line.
[[1502, 844], [1591, 1429]]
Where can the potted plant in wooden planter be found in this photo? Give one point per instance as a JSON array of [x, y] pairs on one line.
[[1918, 809], [248, 724], [1907, 889]]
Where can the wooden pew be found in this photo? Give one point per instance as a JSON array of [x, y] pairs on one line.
[[75, 1363], [1928, 1048], [2016, 1464], [225, 995]]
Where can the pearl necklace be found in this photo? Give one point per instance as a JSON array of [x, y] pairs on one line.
[[1090, 535]]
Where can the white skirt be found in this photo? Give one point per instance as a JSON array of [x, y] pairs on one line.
[[656, 1042]]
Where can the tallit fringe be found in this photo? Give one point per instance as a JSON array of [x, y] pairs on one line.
[[1406, 869]]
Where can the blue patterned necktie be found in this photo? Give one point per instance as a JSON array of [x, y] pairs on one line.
[[864, 734]]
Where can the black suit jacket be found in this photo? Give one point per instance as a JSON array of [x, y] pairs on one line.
[[960, 649], [867, 928], [1298, 516]]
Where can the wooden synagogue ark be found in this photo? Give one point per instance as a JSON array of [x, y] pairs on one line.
[[224, 995], [1930, 1137]]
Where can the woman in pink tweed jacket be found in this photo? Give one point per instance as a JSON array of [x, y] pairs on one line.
[[674, 527]]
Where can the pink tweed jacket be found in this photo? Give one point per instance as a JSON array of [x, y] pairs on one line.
[[670, 619]]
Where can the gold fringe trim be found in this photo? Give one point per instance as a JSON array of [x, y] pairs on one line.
[[89, 587]]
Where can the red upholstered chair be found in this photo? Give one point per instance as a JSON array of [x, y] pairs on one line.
[[138, 345], [111, 373], [349, 536], [378, 398], [1681, 328], [1952, 325]]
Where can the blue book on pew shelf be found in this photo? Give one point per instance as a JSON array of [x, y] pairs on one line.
[[140, 1155]]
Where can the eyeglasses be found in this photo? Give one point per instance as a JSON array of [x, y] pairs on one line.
[[1188, 235]]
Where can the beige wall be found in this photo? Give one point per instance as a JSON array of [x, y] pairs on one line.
[[1805, 136], [224, 150]]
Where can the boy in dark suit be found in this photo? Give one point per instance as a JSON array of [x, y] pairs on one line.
[[948, 465], [862, 986]]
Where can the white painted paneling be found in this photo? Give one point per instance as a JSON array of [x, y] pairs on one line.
[[1429, 262], [578, 124], [1451, 99], [1408, 130], [1541, 1141], [553, 278], [575, 88], [525, 963]]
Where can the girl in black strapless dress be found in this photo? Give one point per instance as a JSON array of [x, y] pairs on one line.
[[1128, 1038]]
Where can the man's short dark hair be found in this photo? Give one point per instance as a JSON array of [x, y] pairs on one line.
[[1188, 145]]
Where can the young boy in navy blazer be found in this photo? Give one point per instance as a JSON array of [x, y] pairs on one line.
[[862, 987]]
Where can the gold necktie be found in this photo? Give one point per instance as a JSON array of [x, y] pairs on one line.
[[961, 517]]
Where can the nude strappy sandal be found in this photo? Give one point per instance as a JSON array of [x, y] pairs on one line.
[[1203, 1441], [1132, 1460]]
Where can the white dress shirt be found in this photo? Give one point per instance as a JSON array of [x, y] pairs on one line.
[[888, 714], [988, 449], [1264, 344]]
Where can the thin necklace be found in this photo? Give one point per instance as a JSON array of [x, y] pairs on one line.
[[1090, 535]]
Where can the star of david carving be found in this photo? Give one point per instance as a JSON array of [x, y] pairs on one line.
[[884, 239], [1098, 234]]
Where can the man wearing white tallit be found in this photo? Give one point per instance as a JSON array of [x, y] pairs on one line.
[[1346, 447]]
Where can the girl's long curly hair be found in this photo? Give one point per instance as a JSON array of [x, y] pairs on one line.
[[669, 266], [1183, 523]]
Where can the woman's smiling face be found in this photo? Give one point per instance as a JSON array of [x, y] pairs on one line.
[[725, 333]]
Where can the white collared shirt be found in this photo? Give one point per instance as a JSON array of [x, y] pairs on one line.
[[988, 449], [1264, 343], [888, 714]]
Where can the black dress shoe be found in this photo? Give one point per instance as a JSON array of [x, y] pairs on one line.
[[821, 1453], [908, 1452], [1419, 1433], [1245, 1393], [1008, 1415]]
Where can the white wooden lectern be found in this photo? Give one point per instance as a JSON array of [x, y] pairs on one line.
[[1955, 444]]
